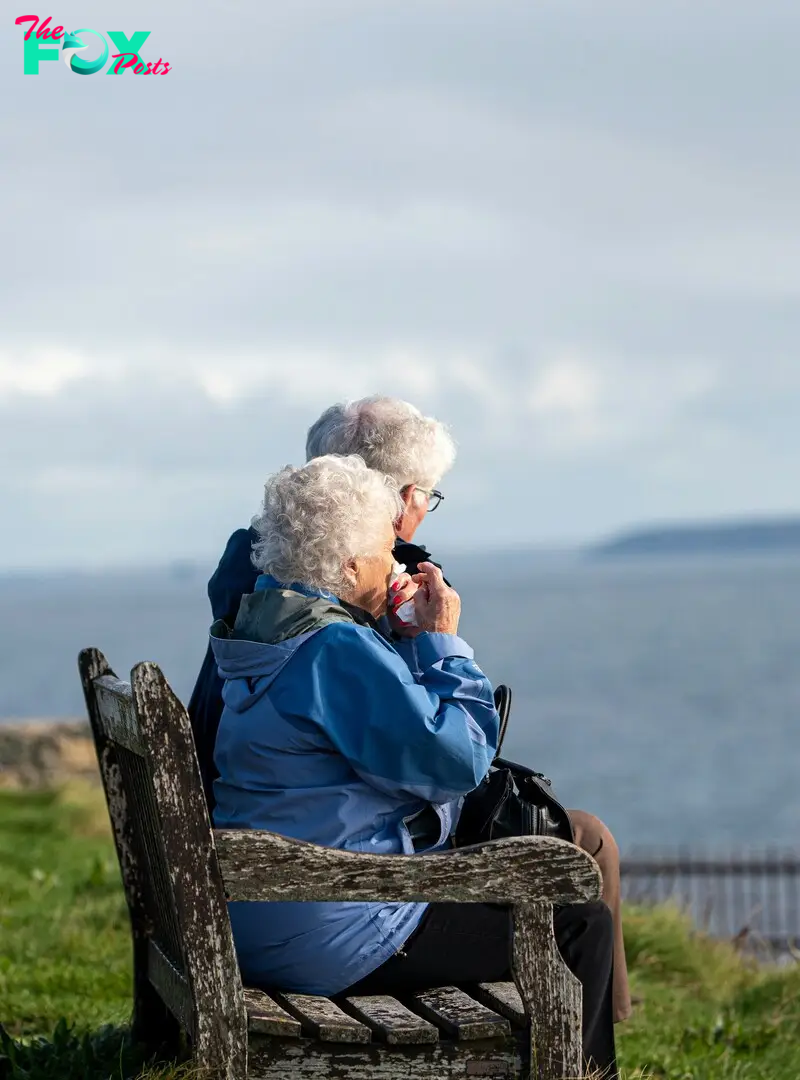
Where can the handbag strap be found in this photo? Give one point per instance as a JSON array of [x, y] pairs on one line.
[[523, 770], [502, 702]]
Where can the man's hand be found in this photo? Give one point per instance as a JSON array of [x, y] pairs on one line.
[[438, 606]]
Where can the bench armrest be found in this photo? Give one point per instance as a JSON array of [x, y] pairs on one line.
[[529, 872], [259, 865]]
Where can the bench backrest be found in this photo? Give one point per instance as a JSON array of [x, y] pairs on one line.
[[183, 946]]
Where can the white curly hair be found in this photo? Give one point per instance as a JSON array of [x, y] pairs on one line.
[[317, 517], [391, 435]]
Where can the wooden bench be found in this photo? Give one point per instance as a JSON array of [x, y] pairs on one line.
[[178, 873]]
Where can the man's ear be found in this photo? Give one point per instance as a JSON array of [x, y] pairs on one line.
[[407, 494]]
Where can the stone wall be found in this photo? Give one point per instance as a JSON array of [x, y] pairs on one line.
[[43, 753]]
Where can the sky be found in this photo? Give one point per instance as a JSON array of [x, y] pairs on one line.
[[570, 230]]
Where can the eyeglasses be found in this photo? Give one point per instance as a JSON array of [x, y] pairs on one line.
[[434, 497]]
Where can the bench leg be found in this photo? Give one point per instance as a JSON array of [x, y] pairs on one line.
[[551, 995]]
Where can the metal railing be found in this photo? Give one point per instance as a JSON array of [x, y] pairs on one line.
[[749, 897]]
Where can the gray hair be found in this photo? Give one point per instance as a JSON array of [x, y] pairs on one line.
[[390, 435], [317, 517]]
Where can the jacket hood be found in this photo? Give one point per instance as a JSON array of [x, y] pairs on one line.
[[271, 625]]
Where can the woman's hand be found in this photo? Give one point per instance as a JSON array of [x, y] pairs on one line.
[[438, 607], [402, 588]]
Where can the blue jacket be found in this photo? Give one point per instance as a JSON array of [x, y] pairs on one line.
[[330, 734]]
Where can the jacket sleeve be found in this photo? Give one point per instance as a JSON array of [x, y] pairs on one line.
[[430, 735], [234, 576]]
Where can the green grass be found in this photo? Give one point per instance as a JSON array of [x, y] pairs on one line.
[[64, 940], [65, 980], [64, 931], [706, 1013]]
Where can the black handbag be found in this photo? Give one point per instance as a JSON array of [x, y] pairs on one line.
[[512, 800]]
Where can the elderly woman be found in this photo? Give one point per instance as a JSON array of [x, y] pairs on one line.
[[332, 734]]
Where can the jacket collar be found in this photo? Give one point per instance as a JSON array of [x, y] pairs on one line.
[[267, 581]]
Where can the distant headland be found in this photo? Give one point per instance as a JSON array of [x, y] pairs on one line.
[[764, 536]]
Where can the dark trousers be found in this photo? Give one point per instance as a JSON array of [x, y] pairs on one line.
[[468, 943]]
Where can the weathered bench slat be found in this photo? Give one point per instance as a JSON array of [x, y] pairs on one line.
[[503, 998], [322, 1019], [259, 865], [170, 795], [392, 1021], [444, 1060], [115, 711], [266, 1017], [458, 1014]]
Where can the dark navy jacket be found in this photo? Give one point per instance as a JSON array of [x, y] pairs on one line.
[[234, 577]]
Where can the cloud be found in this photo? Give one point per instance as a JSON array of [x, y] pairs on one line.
[[571, 232], [42, 372]]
